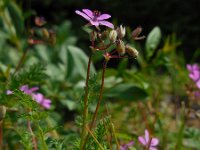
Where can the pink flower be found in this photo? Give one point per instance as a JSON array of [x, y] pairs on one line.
[[26, 90], [9, 92], [95, 18], [148, 142], [194, 73], [126, 146], [46, 103], [38, 97]]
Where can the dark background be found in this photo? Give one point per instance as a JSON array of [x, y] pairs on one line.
[[172, 16]]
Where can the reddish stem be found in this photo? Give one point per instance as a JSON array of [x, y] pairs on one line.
[[99, 100], [85, 111], [33, 136]]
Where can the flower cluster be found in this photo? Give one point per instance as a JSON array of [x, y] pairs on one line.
[[146, 141], [38, 97], [194, 73], [45, 35], [126, 146], [115, 36]]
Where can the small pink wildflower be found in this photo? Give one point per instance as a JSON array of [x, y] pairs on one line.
[[148, 142], [126, 146], [28, 91], [194, 73], [9, 92], [46, 103], [38, 97], [95, 18]]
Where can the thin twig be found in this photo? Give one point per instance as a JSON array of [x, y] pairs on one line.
[[95, 139]]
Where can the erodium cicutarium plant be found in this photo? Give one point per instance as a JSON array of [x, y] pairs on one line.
[[110, 41]]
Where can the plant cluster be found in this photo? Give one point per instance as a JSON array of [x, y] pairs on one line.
[[52, 97]]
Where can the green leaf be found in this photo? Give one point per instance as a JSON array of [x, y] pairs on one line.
[[76, 62], [153, 40], [25, 100], [126, 91], [64, 35], [16, 16], [71, 105]]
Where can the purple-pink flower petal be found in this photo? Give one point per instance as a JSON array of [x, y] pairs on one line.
[[94, 23], [83, 15], [142, 140], [106, 23], [154, 142], [147, 136], [198, 83], [88, 12], [152, 148], [33, 89], [103, 17], [38, 97], [46, 103], [9, 92], [24, 88], [126, 146]]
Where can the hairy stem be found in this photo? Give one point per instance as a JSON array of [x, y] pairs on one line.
[[33, 136], [99, 100], [85, 111], [1, 135], [42, 138]]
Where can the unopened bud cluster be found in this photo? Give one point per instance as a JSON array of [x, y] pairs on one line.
[[41, 34], [116, 37]]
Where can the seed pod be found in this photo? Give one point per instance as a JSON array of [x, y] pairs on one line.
[[121, 31], [2, 112], [132, 51], [113, 35], [120, 47]]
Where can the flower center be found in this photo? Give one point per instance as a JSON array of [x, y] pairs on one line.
[[96, 14]]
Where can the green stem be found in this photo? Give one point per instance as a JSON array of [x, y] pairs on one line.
[[1, 134], [115, 136], [85, 111], [95, 139], [21, 61], [41, 134], [99, 101]]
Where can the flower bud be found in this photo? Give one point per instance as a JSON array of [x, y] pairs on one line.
[[40, 21], [120, 47], [107, 57], [121, 31], [136, 33], [113, 35], [52, 37], [132, 51], [45, 33], [104, 35], [2, 112]]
